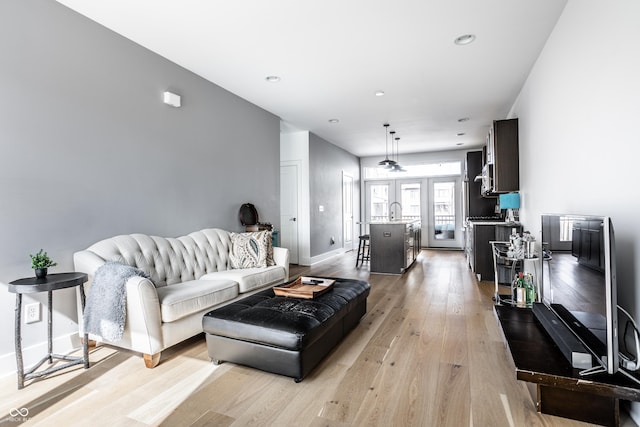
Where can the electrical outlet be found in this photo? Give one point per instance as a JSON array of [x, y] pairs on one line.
[[32, 313]]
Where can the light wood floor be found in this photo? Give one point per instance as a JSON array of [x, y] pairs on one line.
[[427, 353]]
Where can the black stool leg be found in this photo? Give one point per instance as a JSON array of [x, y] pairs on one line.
[[367, 255], [360, 255]]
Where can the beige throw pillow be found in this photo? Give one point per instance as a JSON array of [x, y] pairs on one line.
[[250, 250]]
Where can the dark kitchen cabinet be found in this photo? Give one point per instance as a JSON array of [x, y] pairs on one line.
[[476, 204], [501, 171], [479, 254], [587, 241]]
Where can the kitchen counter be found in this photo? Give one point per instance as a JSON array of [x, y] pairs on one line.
[[515, 224], [394, 221], [394, 245]]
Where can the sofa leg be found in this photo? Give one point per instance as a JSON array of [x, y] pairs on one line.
[[151, 360], [90, 343]]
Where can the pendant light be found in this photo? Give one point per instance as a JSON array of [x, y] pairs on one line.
[[387, 163], [396, 167], [393, 163]]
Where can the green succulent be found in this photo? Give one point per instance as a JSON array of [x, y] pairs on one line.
[[41, 260]]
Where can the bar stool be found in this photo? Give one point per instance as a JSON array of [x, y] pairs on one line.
[[364, 250]]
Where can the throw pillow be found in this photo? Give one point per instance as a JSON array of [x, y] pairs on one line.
[[269, 239], [250, 249]]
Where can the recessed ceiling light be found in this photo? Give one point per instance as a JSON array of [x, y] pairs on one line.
[[379, 93], [272, 79], [463, 119], [334, 121], [460, 134], [464, 39]]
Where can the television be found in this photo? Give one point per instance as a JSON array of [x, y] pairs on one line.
[[578, 282]]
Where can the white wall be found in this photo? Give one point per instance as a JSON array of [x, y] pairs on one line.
[[578, 116]]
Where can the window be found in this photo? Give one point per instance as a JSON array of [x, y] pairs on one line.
[[427, 170], [566, 229]]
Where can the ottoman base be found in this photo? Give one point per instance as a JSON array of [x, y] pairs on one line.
[[295, 363]]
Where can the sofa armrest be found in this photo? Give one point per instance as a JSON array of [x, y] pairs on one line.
[[144, 322], [87, 262], [281, 257], [143, 327]]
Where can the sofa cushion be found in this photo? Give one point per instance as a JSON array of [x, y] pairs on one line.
[[183, 299], [250, 250], [250, 278]]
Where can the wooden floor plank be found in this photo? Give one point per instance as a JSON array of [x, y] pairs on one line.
[[429, 352]]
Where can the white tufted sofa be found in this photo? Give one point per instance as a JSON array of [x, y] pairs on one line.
[[189, 276]]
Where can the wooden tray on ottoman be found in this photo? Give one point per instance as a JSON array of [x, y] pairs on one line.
[[305, 287]]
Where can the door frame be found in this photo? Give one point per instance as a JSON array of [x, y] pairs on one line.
[[294, 251], [347, 244]]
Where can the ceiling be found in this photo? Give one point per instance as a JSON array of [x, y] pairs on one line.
[[333, 55]]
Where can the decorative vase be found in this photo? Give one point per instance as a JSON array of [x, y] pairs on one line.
[[41, 273]]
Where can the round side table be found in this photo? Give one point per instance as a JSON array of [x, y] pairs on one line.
[[50, 283]]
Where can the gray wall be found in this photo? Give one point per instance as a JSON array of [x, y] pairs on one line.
[[88, 150], [326, 164]]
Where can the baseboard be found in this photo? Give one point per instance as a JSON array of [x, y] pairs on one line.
[[33, 354], [325, 256]]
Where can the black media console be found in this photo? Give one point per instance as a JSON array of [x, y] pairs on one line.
[[561, 390]]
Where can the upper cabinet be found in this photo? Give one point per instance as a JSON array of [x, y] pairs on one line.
[[501, 169], [476, 204]]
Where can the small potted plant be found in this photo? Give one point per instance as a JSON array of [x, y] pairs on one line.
[[40, 262]]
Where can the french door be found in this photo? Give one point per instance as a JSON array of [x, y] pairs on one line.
[[399, 199], [377, 200], [436, 202], [444, 213]]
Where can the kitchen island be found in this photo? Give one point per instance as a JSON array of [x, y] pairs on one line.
[[394, 245]]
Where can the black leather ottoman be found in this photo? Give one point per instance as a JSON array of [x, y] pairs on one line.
[[283, 335]]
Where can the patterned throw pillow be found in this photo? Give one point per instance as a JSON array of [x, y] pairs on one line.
[[251, 250], [269, 238]]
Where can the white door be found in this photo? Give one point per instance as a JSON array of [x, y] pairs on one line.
[[444, 213], [347, 211], [378, 198], [289, 210], [408, 193], [395, 199]]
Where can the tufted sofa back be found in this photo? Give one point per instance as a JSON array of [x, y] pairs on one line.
[[169, 260]]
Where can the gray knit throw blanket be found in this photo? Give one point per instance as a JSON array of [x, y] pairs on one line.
[[105, 311]]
